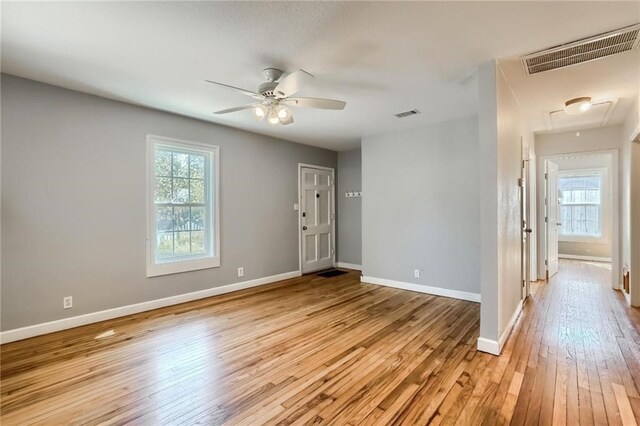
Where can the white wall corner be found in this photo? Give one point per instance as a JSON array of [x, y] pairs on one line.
[[493, 347], [77, 321], [346, 265], [436, 291]]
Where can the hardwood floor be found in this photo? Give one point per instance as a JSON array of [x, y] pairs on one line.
[[317, 350]]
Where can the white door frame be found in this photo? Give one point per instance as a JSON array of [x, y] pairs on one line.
[[533, 217], [615, 208], [333, 211], [547, 206], [525, 219]]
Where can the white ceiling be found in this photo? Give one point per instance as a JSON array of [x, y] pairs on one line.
[[382, 58], [611, 82]]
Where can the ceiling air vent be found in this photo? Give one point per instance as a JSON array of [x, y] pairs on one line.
[[404, 114], [585, 50]]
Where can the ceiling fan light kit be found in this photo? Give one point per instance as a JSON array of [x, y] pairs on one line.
[[259, 112], [274, 96]]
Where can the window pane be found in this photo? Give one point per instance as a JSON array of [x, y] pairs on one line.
[[180, 190], [183, 215], [181, 218], [197, 218], [197, 190], [163, 190], [197, 166], [180, 164], [163, 163], [164, 246], [164, 218], [182, 243], [197, 242], [580, 209]]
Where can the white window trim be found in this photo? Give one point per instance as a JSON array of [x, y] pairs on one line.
[[190, 264], [602, 239]]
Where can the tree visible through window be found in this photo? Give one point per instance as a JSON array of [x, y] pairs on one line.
[[180, 203], [183, 217], [580, 204]]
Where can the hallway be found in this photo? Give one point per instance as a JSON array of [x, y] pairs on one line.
[[575, 351]]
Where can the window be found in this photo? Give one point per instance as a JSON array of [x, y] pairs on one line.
[[580, 204], [183, 206]]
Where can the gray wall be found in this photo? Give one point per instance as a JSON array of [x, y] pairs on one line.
[[73, 203], [349, 209], [421, 206]]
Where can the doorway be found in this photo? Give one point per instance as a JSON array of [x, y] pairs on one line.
[[580, 210], [316, 217]]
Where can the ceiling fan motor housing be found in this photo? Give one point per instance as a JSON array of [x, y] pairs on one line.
[[266, 89]]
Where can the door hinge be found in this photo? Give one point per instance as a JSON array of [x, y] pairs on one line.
[[546, 176], [546, 220], [333, 251], [333, 216], [546, 262], [520, 182]]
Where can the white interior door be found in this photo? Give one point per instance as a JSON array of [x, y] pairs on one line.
[[526, 230], [551, 218], [316, 219]]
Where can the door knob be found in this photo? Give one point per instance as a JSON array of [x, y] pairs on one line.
[[304, 228], [558, 223], [528, 230]]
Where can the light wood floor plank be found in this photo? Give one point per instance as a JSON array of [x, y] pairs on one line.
[[314, 350]]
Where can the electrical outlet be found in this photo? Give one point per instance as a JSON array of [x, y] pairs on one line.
[[241, 271], [67, 302], [416, 273]]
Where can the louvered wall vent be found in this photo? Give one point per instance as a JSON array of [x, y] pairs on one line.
[[585, 50], [404, 114]]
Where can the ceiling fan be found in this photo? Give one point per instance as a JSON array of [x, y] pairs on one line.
[[275, 97]]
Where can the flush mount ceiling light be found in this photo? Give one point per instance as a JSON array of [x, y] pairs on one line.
[[578, 105], [275, 96]]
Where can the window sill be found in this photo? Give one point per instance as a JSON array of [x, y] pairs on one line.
[[176, 267], [585, 240]]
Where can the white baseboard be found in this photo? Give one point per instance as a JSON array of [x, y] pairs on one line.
[[489, 346], [66, 323], [579, 257], [349, 266], [493, 347], [438, 291]]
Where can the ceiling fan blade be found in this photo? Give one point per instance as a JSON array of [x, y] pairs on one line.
[[315, 103], [240, 108], [237, 89], [292, 83]]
